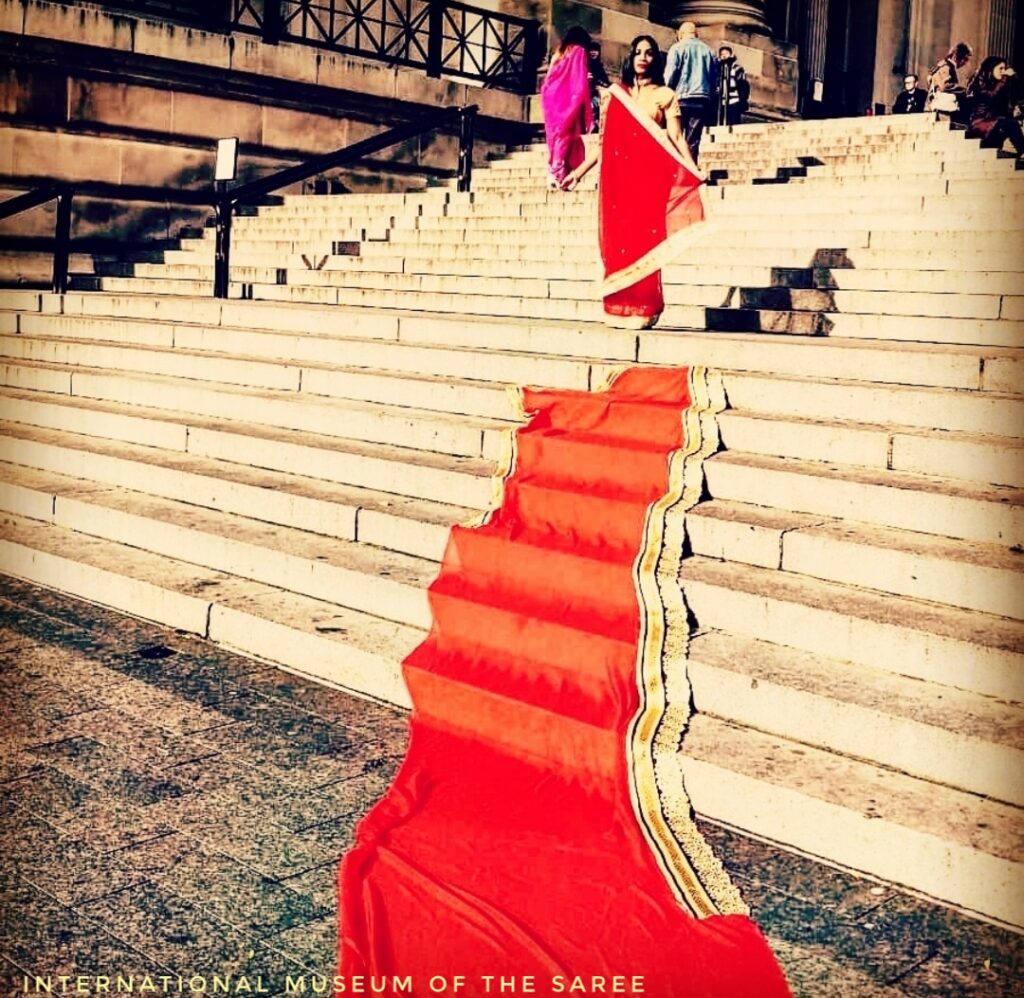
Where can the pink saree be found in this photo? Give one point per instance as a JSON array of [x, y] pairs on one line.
[[565, 99]]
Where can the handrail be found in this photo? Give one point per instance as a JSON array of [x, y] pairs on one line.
[[224, 200], [64, 194], [227, 200], [254, 189]]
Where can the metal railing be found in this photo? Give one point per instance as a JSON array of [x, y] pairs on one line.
[[225, 200], [442, 37], [64, 195]]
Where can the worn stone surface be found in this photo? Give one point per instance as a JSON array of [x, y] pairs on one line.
[[169, 808]]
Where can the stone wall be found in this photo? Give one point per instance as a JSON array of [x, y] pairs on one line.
[[101, 99]]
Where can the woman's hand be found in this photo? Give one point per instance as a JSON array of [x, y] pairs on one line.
[[570, 181]]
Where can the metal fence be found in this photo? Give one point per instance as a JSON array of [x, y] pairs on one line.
[[442, 37]]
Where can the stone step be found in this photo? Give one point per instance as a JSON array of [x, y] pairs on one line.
[[927, 504], [972, 576], [975, 457], [855, 159], [364, 578], [377, 467], [944, 736], [552, 299], [386, 520], [1006, 332], [965, 367], [247, 357], [947, 304], [898, 407], [1000, 259], [943, 842], [908, 280], [167, 402], [963, 649], [342, 647]]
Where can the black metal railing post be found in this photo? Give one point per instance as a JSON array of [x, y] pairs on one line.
[[223, 212], [62, 240], [532, 56], [272, 21], [467, 132], [435, 37]]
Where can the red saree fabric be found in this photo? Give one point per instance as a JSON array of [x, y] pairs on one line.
[[647, 198], [565, 101], [524, 835]]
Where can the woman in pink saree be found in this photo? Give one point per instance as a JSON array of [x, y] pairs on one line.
[[565, 100]]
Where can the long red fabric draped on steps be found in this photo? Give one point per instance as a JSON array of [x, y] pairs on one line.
[[533, 831]]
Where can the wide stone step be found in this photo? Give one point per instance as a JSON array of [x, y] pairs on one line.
[[948, 737], [939, 282], [33, 456], [984, 577], [337, 645], [246, 358], [905, 406], [944, 842], [988, 369], [965, 649], [122, 398], [976, 457], [358, 576], [942, 507]]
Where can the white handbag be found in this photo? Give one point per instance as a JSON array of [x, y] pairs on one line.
[[943, 100]]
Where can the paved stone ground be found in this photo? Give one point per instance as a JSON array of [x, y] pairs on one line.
[[169, 808]]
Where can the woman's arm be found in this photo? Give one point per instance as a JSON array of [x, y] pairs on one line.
[[575, 176]]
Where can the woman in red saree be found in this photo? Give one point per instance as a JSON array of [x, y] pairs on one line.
[[565, 100], [650, 188]]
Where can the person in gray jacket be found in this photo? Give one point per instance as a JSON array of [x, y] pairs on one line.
[[692, 71]]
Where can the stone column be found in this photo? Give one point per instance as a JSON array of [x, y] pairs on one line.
[[741, 13], [1001, 31], [815, 40]]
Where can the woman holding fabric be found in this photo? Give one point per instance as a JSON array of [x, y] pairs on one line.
[[650, 188], [565, 100]]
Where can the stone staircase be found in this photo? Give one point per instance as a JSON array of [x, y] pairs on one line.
[[279, 474]]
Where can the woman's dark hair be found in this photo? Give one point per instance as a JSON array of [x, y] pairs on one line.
[[983, 78], [960, 52], [657, 70], [576, 35]]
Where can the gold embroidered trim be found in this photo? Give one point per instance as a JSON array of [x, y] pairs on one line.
[[662, 806], [664, 253]]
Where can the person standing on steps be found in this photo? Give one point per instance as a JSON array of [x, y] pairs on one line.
[[598, 82], [912, 98], [988, 106], [945, 94], [692, 72], [650, 188], [733, 88], [565, 100]]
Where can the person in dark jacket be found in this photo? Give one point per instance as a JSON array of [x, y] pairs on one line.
[[911, 99], [988, 106], [733, 88]]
